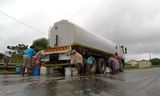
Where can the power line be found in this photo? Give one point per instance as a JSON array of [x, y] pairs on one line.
[[23, 23]]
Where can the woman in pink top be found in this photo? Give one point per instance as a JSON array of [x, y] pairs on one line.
[[37, 60], [113, 64]]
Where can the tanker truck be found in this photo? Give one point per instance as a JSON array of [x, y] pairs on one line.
[[65, 36]]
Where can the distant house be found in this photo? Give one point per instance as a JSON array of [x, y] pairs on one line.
[[133, 63], [144, 64], [140, 64]]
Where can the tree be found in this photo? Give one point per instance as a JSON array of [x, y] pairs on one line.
[[40, 44], [1, 55], [155, 61], [17, 52], [17, 48]]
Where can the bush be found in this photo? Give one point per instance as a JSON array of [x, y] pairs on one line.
[[155, 61], [16, 58]]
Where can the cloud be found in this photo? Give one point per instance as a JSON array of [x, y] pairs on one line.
[[6, 2], [15, 33], [144, 48], [132, 23]]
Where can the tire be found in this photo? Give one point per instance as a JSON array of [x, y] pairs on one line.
[[122, 65], [101, 65], [93, 66]]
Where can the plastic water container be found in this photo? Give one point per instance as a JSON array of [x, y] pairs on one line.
[[70, 71], [36, 71], [18, 69], [43, 71], [108, 70]]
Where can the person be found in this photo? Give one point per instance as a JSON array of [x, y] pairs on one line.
[[119, 58], [6, 59], [89, 63], [76, 59], [36, 60], [27, 59], [113, 64]]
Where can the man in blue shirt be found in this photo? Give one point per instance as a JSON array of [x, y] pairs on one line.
[[27, 59]]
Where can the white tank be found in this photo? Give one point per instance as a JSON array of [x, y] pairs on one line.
[[67, 33]]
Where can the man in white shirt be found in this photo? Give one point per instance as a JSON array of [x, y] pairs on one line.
[[6, 59], [76, 60]]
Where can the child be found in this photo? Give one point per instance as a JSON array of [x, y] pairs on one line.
[[89, 63]]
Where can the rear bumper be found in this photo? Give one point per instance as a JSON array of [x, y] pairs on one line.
[[55, 65]]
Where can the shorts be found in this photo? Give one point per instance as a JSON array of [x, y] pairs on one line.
[[26, 61], [6, 60]]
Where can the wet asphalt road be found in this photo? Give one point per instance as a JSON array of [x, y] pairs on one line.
[[145, 82]]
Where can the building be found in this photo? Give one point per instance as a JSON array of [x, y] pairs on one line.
[[133, 63], [144, 64]]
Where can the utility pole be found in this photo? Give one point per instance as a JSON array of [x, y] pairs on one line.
[[150, 56]]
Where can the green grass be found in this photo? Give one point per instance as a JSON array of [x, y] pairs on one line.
[[155, 65], [15, 60], [128, 66]]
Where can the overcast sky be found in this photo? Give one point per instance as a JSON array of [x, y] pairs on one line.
[[134, 23]]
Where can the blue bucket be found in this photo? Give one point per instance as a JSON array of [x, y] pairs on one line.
[[36, 71], [18, 69]]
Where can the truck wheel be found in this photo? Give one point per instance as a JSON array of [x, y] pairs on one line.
[[122, 65], [101, 65], [93, 66]]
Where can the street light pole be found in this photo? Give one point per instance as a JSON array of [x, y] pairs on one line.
[[149, 56]]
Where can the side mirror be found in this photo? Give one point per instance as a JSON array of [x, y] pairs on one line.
[[125, 50]]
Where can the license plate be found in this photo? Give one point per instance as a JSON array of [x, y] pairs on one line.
[[64, 57]]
